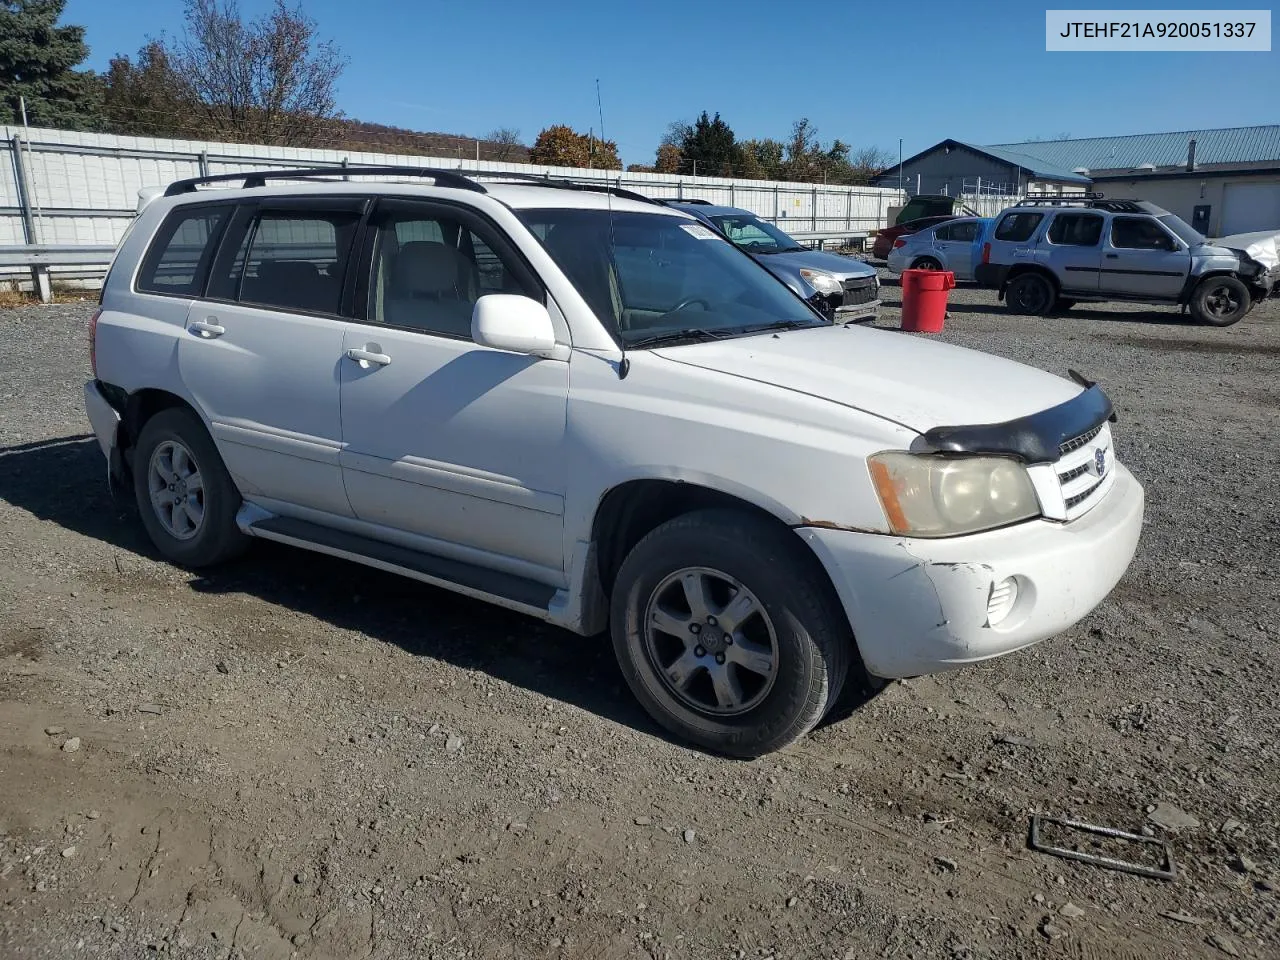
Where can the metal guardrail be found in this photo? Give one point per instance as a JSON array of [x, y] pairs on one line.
[[52, 255], [39, 257]]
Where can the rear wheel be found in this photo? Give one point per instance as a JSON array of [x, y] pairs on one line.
[[1031, 294], [185, 495], [926, 263], [726, 633], [1220, 301]]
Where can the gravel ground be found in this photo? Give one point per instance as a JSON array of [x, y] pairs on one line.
[[294, 756]]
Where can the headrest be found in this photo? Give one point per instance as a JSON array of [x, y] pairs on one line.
[[288, 273], [427, 266]]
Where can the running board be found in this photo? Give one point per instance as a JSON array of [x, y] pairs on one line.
[[467, 578]]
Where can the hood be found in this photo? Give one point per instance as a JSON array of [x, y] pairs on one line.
[[844, 267], [915, 382], [1262, 247]]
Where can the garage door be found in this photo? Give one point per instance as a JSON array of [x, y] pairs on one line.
[[1250, 206]]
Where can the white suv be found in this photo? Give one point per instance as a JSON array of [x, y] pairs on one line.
[[587, 406]]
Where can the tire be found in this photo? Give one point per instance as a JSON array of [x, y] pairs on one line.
[[198, 527], [1220, 301], [926, 263], [1030, 294], [796, 624]]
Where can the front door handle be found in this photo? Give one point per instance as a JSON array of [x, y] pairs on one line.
[[368, 358], [207, 328]]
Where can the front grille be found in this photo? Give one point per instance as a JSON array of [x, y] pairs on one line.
[[1079, 498], [1075, 443], [858, 291], [1085, 470], [1080, 471]]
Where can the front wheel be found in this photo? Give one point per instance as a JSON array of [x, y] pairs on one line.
[[926, 263], [1220, 301], [1031, 294], [726, 633]]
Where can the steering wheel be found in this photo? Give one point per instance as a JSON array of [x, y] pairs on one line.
[[688, 302]]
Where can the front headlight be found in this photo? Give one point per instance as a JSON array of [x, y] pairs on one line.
[[926, 495], [821, 281]]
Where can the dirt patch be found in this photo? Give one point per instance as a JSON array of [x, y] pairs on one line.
[[1184, 345], [296, 757]]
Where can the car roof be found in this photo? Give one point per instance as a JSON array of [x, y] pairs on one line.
[[515, 195], [711, 209]]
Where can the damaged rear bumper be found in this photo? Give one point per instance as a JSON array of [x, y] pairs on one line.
[[925, 606]]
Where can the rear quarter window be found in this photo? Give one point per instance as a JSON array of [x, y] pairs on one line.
[[180, 253], [1018, 227]]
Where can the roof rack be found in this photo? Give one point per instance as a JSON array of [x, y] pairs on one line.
[[700, 202], [259, 178], [1094, 201], [443, 178]]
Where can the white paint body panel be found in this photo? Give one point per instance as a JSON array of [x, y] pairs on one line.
[[502, 459]]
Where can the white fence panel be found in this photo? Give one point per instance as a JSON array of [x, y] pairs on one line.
[[83, 187]]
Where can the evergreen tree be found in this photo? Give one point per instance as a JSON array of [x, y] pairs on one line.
[[708, 147], [37, 64]]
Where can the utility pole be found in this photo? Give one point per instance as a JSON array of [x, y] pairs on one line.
[[899, 164]]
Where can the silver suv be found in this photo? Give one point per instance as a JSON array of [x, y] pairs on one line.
[[1048, 253]]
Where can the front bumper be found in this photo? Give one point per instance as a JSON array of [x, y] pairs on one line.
[[858, 311], [922, 606]]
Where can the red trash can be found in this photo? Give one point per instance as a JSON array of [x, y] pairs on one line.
[[924, 299]]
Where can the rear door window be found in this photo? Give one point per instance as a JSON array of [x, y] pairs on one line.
[[1018, 227], [1076, 229], [964, 232], [179, 256], [291, 259]]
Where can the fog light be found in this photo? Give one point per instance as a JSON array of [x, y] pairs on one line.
[[1003, 597]]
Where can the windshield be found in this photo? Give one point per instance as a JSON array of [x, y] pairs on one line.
[[664, 277], [1182, 229], [753, 234]]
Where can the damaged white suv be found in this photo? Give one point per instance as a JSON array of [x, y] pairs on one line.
[[587, 406]]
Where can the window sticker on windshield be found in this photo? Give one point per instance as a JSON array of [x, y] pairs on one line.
[[698, 230]]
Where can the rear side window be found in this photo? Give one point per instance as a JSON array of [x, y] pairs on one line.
[[294, 260], [1076, 229], [1018, 227], [179, 256], [965, 231]]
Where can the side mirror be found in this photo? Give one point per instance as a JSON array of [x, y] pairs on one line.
[[513, 323]]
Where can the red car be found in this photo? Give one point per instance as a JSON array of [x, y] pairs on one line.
[[883, 242]]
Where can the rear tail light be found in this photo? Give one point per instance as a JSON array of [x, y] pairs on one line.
[[986, 253], [899, 243], [93, 343]]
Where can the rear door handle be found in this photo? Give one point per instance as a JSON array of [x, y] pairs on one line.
[[367, 358], [207, 328], [1113, 256]]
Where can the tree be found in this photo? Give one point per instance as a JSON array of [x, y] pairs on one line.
[[707, 147], [869, 161], [668, 159], [148, 97], [37, 64], [761, 159], [562, 146], [269, 80], [504, 143]]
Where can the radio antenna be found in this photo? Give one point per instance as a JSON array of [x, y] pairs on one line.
[[624, 365]]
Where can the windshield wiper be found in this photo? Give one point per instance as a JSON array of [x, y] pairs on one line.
[[786, 325], [694, 334]]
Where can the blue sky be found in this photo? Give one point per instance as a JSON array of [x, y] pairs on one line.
[[866, 72]]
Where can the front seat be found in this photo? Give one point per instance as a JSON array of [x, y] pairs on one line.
[[429, 289]]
